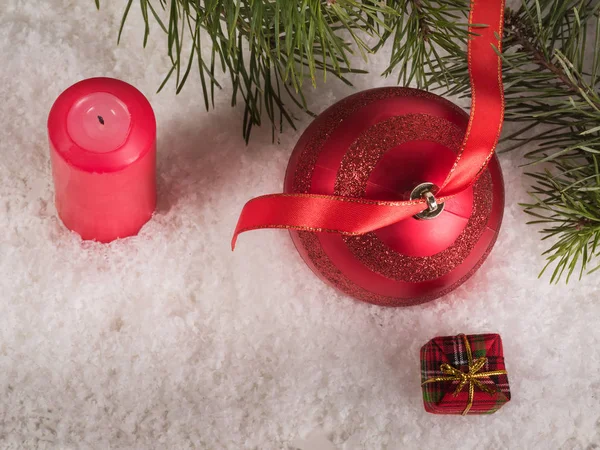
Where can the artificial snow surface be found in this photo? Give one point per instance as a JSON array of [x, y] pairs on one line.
[[170, 340]]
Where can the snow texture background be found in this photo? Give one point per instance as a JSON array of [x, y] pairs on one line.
[[170, 340]]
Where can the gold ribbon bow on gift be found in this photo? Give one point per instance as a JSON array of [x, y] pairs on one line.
[[471, 377]]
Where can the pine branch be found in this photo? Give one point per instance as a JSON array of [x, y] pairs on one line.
[[269, 48], [567, 203], [562, 94], [423, 32]]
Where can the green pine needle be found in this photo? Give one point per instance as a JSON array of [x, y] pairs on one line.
[[270, 49]]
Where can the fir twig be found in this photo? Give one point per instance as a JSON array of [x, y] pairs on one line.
[[550, 84], [423, 32], [268, 47]]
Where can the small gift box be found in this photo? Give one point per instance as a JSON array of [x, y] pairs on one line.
[[464, 374]]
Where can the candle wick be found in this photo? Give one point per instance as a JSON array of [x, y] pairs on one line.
[[101, 120]]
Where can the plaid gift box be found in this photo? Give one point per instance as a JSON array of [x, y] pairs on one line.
[[464, 374]]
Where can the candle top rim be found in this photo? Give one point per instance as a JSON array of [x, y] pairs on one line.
[[139, 138]]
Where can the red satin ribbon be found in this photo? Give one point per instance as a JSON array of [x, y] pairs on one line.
[[354, 216]]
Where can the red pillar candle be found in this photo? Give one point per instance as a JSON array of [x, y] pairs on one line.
[[102, 135]]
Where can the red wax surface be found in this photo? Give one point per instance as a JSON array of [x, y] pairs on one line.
[[102, 135]]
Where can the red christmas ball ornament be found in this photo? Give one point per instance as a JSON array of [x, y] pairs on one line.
[[380, 144], [394, 195]]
